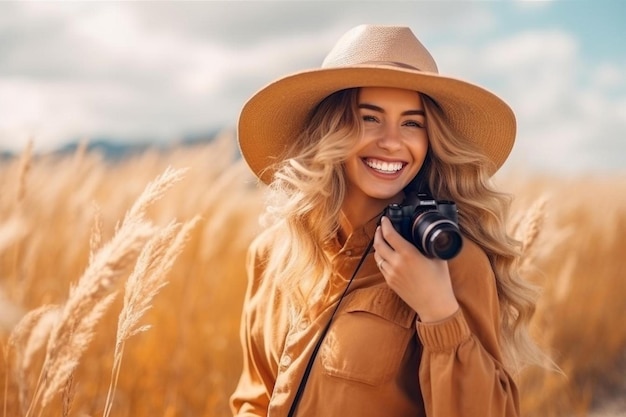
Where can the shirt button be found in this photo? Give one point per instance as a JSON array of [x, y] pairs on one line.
[[285, 361], [303, 325], [348, 253]]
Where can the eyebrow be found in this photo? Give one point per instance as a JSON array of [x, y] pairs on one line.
[[418, 112]]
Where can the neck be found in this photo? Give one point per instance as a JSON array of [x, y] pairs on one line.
[[357, 216], [358, 211]]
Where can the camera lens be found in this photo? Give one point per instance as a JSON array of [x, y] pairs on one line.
[[445, 244], [436, 236]]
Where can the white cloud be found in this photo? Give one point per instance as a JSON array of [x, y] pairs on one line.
[[45, 112], [103, 69], [530, 49], [620, 111], [608, 76], [565, 120], [532, 4]]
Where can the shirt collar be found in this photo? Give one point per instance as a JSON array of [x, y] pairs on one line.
[[357, 237]]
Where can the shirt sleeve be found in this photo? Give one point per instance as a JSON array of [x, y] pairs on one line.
[[461, 371], [252, 394]]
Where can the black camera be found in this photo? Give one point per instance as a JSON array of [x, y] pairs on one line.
[[431, 225]]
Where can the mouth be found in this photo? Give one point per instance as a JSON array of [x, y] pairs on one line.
[[384, 167]]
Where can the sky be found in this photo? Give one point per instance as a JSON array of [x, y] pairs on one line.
[[162, 71]]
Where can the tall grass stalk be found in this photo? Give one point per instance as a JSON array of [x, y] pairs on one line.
[[95, 239], [146, 280], [528, 230], [11, 231], [23, 168], [86, 303], [94, 292], [21, 344]]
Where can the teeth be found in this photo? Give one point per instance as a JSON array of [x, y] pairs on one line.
[[384, 166]]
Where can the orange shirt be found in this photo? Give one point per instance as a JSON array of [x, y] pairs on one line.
[[377, 359]]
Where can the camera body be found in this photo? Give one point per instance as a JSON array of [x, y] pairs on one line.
[[430, 225]]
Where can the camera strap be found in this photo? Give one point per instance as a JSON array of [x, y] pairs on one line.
[[309, 366]]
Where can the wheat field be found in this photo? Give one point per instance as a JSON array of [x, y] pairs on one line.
[[121, 283]]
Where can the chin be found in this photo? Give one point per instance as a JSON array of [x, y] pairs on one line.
[[387, 197]]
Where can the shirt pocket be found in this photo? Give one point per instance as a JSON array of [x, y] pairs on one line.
[[368, 337]]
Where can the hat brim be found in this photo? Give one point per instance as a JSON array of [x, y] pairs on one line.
[[273, 118]]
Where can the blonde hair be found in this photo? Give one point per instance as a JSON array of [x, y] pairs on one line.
[[304, 202]]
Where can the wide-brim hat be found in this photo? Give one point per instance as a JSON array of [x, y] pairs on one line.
[[370, 56]]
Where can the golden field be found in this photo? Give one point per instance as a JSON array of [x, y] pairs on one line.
[[67, 221]]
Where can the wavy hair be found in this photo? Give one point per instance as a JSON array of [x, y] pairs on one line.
[[304, 202], [304, 199]]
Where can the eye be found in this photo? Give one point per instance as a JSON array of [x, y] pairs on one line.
[[369, 118], [414, 123]]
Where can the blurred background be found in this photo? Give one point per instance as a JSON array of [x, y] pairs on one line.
[[159, 72]]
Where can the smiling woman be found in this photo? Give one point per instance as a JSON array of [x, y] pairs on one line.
[[338, 301], [389, 153]]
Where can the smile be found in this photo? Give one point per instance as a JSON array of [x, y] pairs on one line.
[[384, 166]]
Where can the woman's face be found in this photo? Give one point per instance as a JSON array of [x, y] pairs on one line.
[[391, 149]]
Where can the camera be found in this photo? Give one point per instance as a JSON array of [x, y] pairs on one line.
[[430, 225]]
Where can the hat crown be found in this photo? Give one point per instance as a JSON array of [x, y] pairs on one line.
[[380, 45]]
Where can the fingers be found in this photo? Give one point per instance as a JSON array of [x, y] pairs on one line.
[[379, 261], [380, 248], [393, 239], [386, 240], [391, 248]]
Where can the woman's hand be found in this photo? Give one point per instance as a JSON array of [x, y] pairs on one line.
[[423, 283]]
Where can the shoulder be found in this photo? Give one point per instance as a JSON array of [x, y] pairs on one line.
[[258, 252], [263, 299], [471, 267], [256, 262], [472, 256]]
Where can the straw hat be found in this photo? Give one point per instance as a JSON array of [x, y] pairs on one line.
[[370, 56]]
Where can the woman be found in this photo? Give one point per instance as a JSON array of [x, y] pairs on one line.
[[344, 316]]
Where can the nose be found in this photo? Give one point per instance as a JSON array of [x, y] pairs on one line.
[[390, 139]]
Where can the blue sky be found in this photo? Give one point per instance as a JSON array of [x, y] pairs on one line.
[[136, 71]]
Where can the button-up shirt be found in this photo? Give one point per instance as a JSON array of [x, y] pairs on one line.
[[377, 358]]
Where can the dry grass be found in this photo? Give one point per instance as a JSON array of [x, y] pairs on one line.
[[579, 264], [184, 276]]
